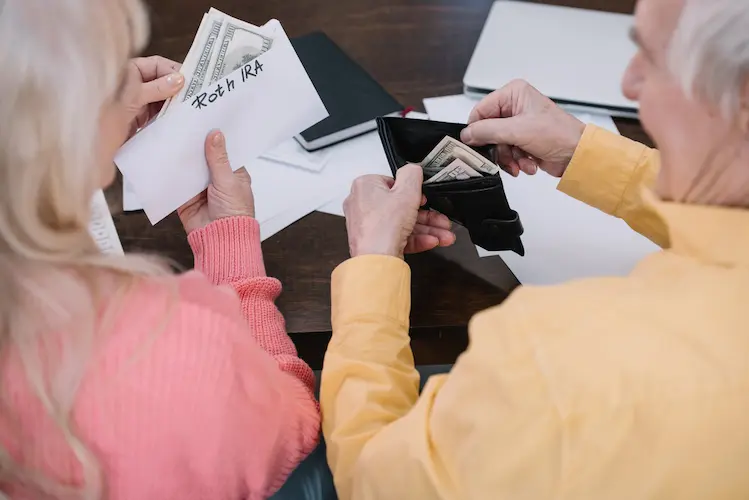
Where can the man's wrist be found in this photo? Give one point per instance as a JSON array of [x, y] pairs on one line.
[[376, 247], [576, 134]]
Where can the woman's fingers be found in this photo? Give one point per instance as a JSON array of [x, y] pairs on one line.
[[162, 88], [160, 79], [218, 159], [154, 67]]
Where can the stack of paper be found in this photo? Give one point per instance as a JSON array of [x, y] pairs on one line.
[[102, 227]]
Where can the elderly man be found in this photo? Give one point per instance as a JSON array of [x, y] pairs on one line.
[[634, 387]]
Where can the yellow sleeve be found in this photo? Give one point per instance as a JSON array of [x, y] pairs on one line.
[[612, 173], [368, 377], [386, 442]]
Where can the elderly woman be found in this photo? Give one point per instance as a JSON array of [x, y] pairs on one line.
[[631, 387], [119, 379]]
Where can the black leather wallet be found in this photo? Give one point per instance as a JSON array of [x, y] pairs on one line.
[[478, 204]]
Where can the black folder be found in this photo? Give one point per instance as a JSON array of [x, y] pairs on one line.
[[353, 98]]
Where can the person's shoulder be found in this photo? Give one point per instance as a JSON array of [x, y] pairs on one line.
[[175, 358], [190, 293], [196, 291], [185, 313], [183, 327]]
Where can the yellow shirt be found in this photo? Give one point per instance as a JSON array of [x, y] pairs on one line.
[[619, 388]]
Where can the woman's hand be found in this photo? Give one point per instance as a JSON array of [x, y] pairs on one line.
[[529, 129], [159, 79], [228, 195], [383, 216]]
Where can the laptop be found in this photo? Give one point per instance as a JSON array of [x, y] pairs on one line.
[[575, 56]]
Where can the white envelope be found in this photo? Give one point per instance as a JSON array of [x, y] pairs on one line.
[[257, 107]]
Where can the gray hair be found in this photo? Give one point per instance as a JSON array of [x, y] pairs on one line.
[[709, 52]]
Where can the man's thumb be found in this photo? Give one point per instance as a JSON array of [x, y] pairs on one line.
[[409, 178], [491, 131]]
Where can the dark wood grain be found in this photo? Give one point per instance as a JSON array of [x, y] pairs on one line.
[[416, 49]]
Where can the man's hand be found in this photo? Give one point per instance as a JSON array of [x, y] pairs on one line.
[[529, 130], [383, 216]]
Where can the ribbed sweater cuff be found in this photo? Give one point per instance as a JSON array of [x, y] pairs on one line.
[[228, 249]]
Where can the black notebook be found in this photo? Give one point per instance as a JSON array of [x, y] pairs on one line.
[[353, 98]]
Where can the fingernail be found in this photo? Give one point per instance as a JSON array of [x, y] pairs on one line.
[[218, 140], [465, 135], [175, 79]]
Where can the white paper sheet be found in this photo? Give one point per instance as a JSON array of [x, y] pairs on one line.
[[102, 227], [285, 194], [165, 163], [353, 158], [449, 108], [564, 239], [290, 152]]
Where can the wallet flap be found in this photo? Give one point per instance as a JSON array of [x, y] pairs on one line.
[[479, 204]]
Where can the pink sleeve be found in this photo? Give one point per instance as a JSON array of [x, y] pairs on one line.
[[228, 252], [274, 410]]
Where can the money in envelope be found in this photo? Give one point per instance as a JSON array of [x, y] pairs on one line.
[[242, 79]]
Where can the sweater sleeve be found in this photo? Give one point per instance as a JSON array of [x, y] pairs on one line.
[[186, 404], [228, 252]]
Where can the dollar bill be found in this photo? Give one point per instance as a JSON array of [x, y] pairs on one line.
[[448, 150], [455, 171], [195, 66], [221, 45], [238, 43]]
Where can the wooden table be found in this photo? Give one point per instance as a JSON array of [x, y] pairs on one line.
[[416, 49]]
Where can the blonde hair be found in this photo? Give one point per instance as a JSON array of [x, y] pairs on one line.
[[61, 61]]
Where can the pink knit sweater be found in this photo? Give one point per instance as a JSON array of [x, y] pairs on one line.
[[197, 391]]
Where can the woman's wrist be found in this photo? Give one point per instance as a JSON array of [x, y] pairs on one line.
[[228, 249]]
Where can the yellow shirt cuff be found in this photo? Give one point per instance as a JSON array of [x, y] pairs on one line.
[[601, 168], [371, 286]]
